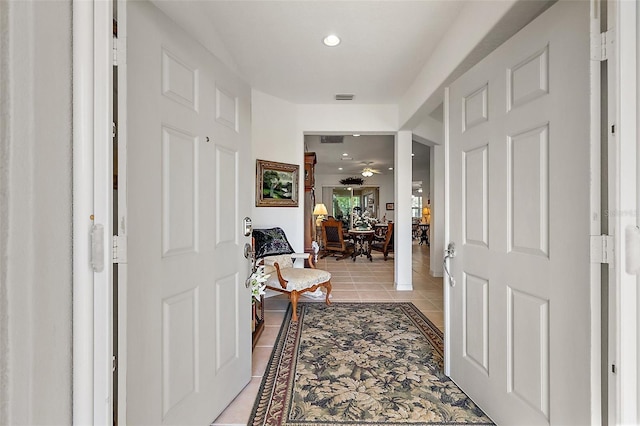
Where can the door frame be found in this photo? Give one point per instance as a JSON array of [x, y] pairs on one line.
[[122, 280], [595, 202], [624, 184], [92, 216]]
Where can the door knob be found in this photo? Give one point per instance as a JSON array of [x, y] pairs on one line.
[[449, 253]]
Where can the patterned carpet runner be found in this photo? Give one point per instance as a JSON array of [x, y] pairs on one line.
[[360, 364]]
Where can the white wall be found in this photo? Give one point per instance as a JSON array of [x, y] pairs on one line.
[[275, 137], [348, 118], [35, 213], [430, 131], [278, 135]]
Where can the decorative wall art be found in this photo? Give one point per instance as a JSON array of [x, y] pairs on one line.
[[276, 184]]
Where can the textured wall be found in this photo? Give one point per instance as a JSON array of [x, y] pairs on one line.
[[35, 213]]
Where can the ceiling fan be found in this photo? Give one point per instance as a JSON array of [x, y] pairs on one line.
[[368, 171]]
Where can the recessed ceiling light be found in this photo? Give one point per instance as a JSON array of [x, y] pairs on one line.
[[344, 154], [390, 168], [356, 135], [412, 154], [420, 190], [339, 168], [331, 40]]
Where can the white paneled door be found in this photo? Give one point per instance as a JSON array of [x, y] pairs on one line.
[[519, 164], [188, 313]]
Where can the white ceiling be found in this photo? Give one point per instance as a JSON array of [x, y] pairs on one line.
[[375, 149], [277, 45]]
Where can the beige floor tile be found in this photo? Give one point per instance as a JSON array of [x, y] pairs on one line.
[[401, 296], [426, 306], [371, 286], [273, 317], [276, 303], [259, 359], [437, 318], [342, 286], [268, 336], [375, 295], [345, 295], [338, 272], [341, 280], [238, 412]]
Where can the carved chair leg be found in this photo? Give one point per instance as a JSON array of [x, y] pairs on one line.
[[327, 286], [293, 297]]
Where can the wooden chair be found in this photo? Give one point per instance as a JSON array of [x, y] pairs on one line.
[[334, 241], [385, 246], [273, 251]]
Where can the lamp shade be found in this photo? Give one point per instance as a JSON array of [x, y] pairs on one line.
[[426, 215], [320, 209]]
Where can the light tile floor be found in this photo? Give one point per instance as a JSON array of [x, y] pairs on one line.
[[359, 281]]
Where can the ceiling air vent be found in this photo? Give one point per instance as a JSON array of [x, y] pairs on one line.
[[331, 139], [344, 97]]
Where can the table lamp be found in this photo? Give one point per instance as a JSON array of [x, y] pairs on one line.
[[426, 215], [320, 210]]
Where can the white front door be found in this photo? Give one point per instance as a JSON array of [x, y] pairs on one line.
[[189, 186], [520, 185]]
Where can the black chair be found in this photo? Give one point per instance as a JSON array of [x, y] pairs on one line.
[[334, 241], [385, 246], [424, 233]]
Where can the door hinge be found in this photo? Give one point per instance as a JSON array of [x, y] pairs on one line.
[[602, 249], [602, 46], [613, 368], [119, 249], [114, 48], [119, 48], [114, 363]]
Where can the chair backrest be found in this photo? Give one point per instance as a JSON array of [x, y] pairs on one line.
[[269, 242], [332, 235], [388, 240]]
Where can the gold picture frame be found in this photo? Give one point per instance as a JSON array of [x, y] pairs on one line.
[[276, 184]]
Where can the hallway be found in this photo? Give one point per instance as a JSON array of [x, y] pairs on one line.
[[359, 281]]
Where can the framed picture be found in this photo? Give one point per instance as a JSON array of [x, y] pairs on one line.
[[276, 184], [389, 206]]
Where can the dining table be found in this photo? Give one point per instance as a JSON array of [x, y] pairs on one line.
[[362, 239]]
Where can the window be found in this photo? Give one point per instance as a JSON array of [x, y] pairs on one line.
[[416, 206]]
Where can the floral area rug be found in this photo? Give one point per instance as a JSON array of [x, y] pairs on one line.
[[360, 364]]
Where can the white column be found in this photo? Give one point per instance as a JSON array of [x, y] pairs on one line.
[[402, 223], [437, 211]]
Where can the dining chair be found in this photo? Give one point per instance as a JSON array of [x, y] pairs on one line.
[[385, 246], [334, 241]]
